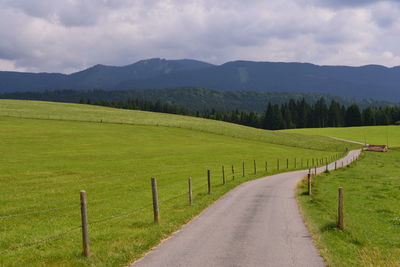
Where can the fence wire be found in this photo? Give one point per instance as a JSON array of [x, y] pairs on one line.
[[41, 241]]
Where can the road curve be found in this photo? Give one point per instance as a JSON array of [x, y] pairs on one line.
[[256, 224]]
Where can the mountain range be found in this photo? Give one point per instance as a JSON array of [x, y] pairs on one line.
[[192, 98], [370, 81]]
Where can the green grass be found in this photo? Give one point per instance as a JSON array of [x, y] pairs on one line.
[[377, 135], [372, 212], [63, 111], [61, 149]]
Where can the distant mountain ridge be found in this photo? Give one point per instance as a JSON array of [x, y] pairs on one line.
[[370, 81], [193, 98]]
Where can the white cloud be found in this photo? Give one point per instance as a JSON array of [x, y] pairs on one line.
[[65, 36]]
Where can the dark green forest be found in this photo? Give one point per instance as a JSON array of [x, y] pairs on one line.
[[267, 110], [194, 98], [293, 114]]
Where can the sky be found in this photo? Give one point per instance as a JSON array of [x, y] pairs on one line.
[[70, 35]]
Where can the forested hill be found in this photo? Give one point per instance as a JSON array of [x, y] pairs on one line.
[[196, 99], [371, 81], [98, 76]]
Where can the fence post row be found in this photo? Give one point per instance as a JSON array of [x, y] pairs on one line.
[[155, 200], [85, 232]]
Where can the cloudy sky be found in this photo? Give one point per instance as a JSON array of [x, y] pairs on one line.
[[70, 35]]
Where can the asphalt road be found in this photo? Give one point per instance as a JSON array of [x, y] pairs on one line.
[[256, 224]]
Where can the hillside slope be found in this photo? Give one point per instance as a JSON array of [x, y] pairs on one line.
[[63, 111]]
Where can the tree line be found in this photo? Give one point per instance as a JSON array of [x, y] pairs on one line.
[[293, 114]]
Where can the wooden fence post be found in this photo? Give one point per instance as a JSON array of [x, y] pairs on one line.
[[309, 183], [315, 170], [327, 167], [277, 165], [340, 210], [190, 191], [209, 181], [266, 166], [85, 232], [335, 165], [255, 167], [243, 169], [223, 174], [233, 173], [287, 163], [155, 200]]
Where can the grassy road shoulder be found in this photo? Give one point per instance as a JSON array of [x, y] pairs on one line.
[[372, 213]]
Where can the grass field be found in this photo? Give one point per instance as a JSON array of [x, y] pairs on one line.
[[63, 111], [377, 135], [48, 158], [372, 212]]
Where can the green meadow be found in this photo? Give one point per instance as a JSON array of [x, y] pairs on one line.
[[51, 151], [371, 196], [371, 212], [377, 135]]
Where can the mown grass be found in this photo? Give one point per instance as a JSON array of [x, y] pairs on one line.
[[372, 212], [46, 162], [64, 111], [377, 135]]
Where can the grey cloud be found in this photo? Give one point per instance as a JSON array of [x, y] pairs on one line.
[[350, 3], [68, 13], [55, 35]]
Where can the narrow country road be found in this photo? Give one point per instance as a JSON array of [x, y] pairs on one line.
[[349, 141], [256, 224]]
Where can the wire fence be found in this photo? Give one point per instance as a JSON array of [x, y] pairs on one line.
[[199, 188], [328, 203]]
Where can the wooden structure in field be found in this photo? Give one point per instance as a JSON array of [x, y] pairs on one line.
[[378, 148]]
